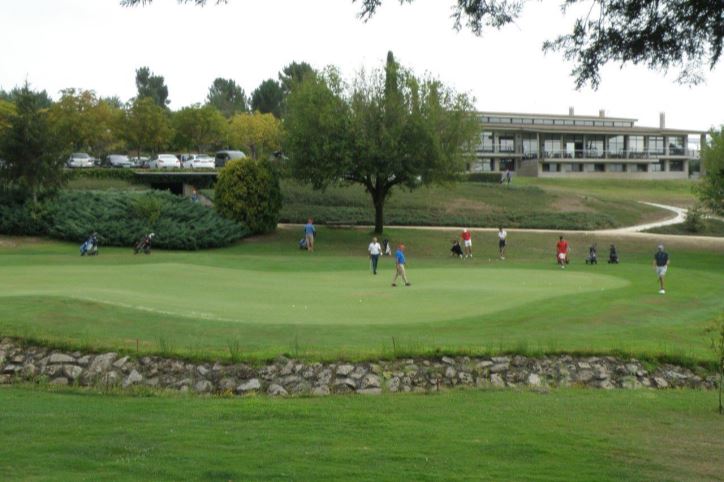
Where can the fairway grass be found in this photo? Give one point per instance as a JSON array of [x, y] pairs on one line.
[[267, 298], [570, 434]]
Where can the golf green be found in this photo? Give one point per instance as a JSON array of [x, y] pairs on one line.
[[317, 297]]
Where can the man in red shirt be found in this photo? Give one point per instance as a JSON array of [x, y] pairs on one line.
[[467, 243], [562, 252]]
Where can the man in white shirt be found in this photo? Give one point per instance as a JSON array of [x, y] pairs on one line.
[[502, 234], [375, 250]]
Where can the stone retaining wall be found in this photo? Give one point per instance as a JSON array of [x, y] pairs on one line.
[[19, 362]]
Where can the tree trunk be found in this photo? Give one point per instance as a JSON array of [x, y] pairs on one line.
[[378, 199]]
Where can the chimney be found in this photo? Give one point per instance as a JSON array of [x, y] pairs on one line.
[[662, 120], [571, 111], [601, 113]]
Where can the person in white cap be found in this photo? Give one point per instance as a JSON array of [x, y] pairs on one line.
[[467, 243], [661, 265]]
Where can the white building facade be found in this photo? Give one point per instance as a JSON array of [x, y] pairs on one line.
[[543, 145]]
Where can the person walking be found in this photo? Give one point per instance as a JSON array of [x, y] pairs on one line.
[[467, 243], [400, 266], [562, 252], [309, 234], [375, 250], [661, 265], [502, 235]]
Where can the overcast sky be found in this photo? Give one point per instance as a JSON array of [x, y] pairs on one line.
[[96, 44]]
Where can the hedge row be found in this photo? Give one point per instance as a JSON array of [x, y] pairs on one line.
[[486, 177], [96, 173], [121, 218]]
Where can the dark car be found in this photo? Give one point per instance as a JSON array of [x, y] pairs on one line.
[[222, 157], [118, 160]]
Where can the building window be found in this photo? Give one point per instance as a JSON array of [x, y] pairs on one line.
[[486, 165], [552, 146], [599, 167], [615, 146], [573, 167], [550, 167], [486, 141], [656, 145], [615, 168], [636, 146], [676, 166], [641, 168], [676, 146], [530, 147], [657, 166], [594, 147], [507, 164], [506, 144]]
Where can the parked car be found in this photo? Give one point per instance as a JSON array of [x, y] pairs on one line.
[[141, 162], [79, 159], [197, 161], [164, 161], [222, 157], [118, 160]]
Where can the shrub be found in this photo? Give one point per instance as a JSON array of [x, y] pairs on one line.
[[248, 192], [486, 177], [121, 218], [694, 222], [97, 173]]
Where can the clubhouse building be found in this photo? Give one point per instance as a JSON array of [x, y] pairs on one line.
[[544, 145]]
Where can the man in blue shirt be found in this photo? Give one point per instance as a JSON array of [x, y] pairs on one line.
[[400, 266], [309, 233], [661, 264]]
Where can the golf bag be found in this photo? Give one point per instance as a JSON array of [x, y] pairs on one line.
[[303, 243], [613, 255], [89, 246], [456, 250], [386, 250], [144, 244], [592, 256]]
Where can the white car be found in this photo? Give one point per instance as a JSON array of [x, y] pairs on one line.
[[197, 161], [118, 160], [164, 161], [79, 159]]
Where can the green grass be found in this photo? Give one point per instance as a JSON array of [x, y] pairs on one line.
[[473, 435], [268, 297], [712, 227]]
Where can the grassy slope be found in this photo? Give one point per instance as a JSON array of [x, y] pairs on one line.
[[712, 227], [494, 435], [627, 315]]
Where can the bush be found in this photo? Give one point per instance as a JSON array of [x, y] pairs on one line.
[[97, 173], [486, 177], [248, 192], [695, 222], [121, 218]]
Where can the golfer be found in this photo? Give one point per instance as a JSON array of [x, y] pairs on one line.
[[661, 265], [467, 243], [502, 235], [400, 266], [309, 233], [375, 250], [562, 252]]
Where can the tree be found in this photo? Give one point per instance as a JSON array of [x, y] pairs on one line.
[[153, 86], [7, 109], [711, 187], [44, 100], [661, 34], [227, 97], [389, 129], [146, 126], [199, 128], [86, 123], [293, 74], [28, 147], [267, 98], [258, 134], [248, 192]]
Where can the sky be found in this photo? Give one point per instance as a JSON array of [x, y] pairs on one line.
[[98, 45]]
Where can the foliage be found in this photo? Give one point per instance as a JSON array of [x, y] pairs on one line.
[[662, 34], [257, 134], [152, 86], [248, 191], [199, 128], [227, 97], [19, 215], [7, 109], [711, 187], [43, 99], [127, 175], [267, 98], [390, 129], [29, 147], [147, 126], [695, 222], [86, 123], [716, 333], [486, 177]]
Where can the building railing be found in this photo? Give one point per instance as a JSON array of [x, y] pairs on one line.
[[596, 153]]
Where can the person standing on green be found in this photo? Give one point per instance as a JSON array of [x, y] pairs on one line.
[[661, 265], [309, 234], [400, 266]]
